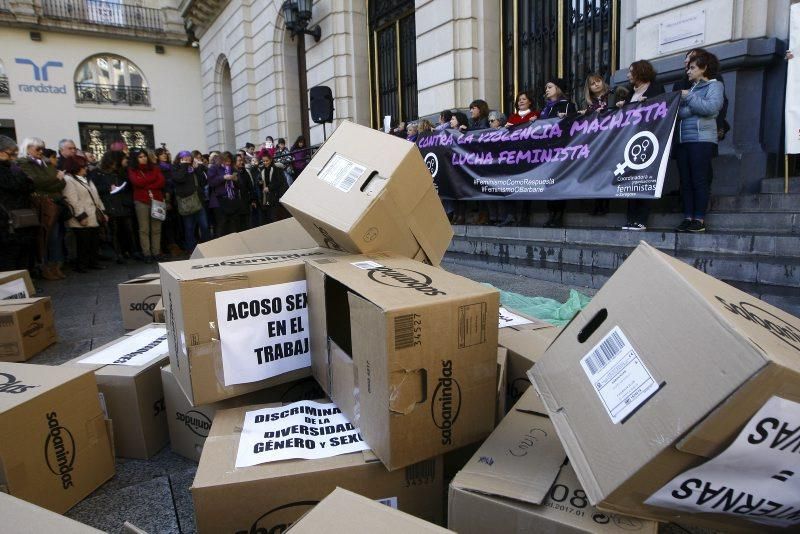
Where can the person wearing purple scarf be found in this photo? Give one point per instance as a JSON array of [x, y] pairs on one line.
[[222, 193]]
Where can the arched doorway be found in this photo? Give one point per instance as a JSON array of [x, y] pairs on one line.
[[228, 134]]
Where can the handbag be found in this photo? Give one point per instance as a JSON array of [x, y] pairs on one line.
[[21, 218], [191, 204], [158, 209]]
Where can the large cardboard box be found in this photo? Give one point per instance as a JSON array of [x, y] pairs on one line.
[[158, 312], [515, 482], [137, 300], [658, 374], [269, 497], [54, 445], [365, 191], [16, 285], [27, 327], [132, 395], [20, 517], [345, 512], [287, 234], [191, 289], [189, 425], [526, 343], [406, 350]]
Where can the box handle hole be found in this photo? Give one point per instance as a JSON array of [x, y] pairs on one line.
[[592, 325], [372, 175]]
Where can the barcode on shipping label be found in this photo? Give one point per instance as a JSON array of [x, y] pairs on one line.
[[366, 265], [391, 502], [341, 173], [15, 289], [618, 375]]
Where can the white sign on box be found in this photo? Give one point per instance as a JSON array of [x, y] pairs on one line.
[[618, 375], [304, 429], [263, 331], [138, 349], [506, 318], [15, 289], [756, 478]]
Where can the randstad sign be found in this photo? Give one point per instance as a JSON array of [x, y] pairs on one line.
[[40, 74]]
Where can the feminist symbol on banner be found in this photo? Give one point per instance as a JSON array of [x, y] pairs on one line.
[[640, 152], [432, 162]]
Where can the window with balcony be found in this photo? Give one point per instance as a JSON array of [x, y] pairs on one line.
[[113, 80], [104, 13]]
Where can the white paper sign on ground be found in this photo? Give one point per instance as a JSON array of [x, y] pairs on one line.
[[15, 289], [264, 331], [304, 429], [507, 318], [138, 349], [618, 375], [756, 478]]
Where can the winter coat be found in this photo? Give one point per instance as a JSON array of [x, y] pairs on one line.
[[698, 112], [562, 106], [188, 180], [82, 196], [479, 123], [216, 184], [275, 181], [516, 118], [15, 194], [146, 180], [654, 89], [43, 176], [118, 204]]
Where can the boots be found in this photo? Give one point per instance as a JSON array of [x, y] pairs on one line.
[[48, 272], [58, 272]]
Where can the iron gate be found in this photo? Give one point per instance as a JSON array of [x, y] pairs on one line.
[[98, 137]]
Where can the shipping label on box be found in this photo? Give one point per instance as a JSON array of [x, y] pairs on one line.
[[27, 327], [129, 379], [270, 497], [407, 351], [659, 373], [237, 324], [54, 446], [366, 192], [138, 299]]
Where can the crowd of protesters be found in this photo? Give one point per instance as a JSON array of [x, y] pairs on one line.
[[701, 125], [66, 211]]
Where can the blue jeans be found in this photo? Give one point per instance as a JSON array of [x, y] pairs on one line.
[[694, 166], [190, 225], [55, 243]]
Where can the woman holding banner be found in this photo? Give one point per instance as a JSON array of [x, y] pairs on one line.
[[556, 105], [697, 138]]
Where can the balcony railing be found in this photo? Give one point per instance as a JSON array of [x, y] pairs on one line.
[[89, 93], [104, 14], [4, 91]]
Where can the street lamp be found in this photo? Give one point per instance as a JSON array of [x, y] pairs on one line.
[[297, 15]]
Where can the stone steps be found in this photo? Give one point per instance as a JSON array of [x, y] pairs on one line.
[[777, 185]]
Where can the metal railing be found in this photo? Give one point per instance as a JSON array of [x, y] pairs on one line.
[[4, 90], [90, 93], [104, 14]]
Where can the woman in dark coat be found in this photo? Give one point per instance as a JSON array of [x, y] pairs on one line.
[[17, 246], [271, 182], [111, 180], [556, 105]]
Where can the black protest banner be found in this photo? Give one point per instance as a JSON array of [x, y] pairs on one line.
[[622, 153]]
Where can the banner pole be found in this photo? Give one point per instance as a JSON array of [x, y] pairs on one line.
[[786, 174]]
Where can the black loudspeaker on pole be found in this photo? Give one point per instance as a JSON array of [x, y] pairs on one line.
[[321, 104]]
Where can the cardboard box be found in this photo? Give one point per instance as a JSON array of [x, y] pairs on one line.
[[515, 482], [287, 234], [132, 395], [191, 289], [502, 384], [189, 425], [526, 344], [137, 300], [412, 356], [688, 361], [16, 285], [365, 191], [345, 512], [158, 312], [54, 446], [27, 327], [23, 517], [272, 496]]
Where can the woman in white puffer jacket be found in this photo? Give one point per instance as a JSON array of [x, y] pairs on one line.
[[88, 212]]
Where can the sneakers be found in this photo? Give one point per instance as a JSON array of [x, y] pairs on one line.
[[691, 225], [696, 227], [636, 227], [684, 225]]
